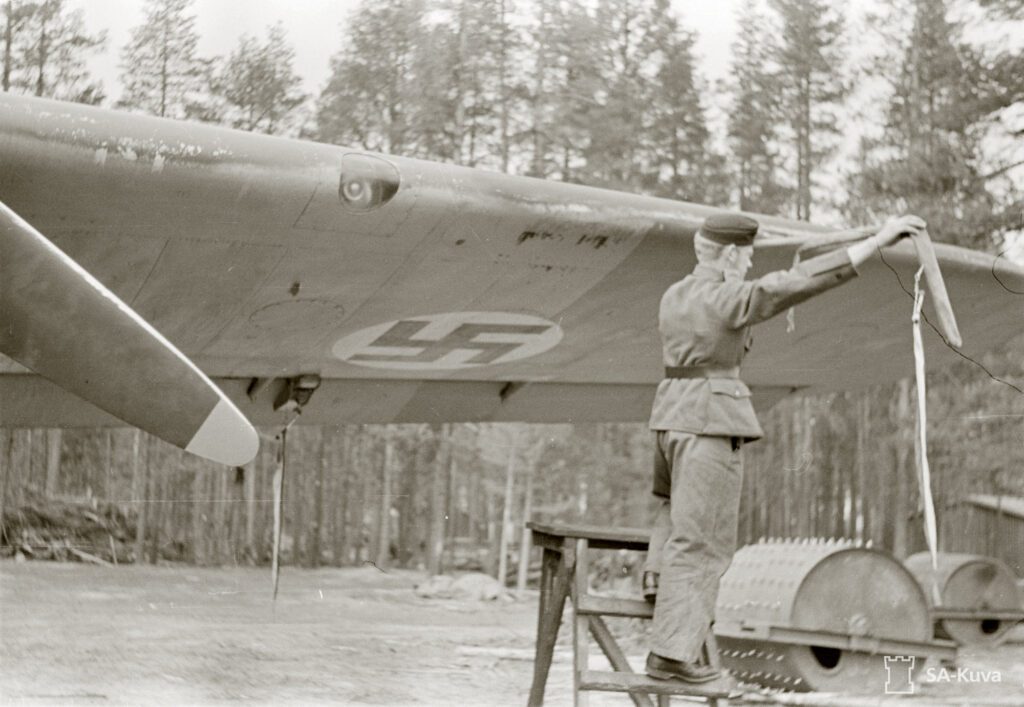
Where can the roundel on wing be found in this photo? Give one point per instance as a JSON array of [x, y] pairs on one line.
[[448, 341]]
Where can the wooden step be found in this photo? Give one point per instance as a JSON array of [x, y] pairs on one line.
[[598, 537], [610, 681], [613, 606]]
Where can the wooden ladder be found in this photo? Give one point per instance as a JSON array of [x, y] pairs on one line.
[[564, 574]]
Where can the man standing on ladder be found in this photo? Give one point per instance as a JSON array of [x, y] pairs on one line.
[[702, 415]]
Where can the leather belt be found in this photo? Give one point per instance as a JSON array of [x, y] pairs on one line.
[[701, 372]]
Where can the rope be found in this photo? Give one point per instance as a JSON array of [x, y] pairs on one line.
[[921, 441], [278, 484]]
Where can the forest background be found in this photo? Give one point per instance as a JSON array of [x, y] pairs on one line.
[[916, 106]]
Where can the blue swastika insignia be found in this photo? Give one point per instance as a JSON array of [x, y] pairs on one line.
[[449, 340], [464, 337]]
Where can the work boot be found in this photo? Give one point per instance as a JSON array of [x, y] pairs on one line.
[[649, 583], [668, 669]]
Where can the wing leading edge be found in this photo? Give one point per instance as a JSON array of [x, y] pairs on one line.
[[255, 256]]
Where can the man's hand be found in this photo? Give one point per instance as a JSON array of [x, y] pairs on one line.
[[886, 236], [897, 228]]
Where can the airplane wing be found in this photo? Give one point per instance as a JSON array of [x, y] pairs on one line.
[[419, 291]]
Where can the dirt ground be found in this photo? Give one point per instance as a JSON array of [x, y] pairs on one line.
[[76, 634]]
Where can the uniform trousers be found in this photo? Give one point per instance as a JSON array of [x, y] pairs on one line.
[[694, 538]]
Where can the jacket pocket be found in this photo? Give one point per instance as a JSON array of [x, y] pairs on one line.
[[729, 386], [728, 408]]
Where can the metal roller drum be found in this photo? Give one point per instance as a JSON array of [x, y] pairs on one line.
[[974, 583], [819, 615]]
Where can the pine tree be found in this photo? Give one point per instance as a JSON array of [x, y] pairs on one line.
[[541, 38], [368, 100], [809, 58], [565, 88], [469, 96], [755, 114], [15, 15], [441, 104], [681, 162], [1009, 9], [930, 159], [162, 72], [44, 51], [1000, 87], [618, 90], [511, 87], [258, 83]]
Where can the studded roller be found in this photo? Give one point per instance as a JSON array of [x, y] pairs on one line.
[[830, 586]]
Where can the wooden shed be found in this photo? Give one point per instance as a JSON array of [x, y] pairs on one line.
[[987, 524]]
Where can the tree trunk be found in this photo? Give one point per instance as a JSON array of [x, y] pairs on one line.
[[41, 63], [801, 468], [263, 488], [108, 464], [582, 493], [448, 556], [140, 474], [863, 465], [438, 502], [857, 481], [318, 500], [23, 471], [250, 510], [788, 465], [221, 501], [278, 494], [237, 512], [413, 529], [157, 505], [294, 504], [345, 528], [493, 536], [6, 449], [164, 81], [53, 440], [477, 502], [367, 537], [506, 512], [340, 473], [384, 513], [838, 493], [804, 152], [540, 70], [503, 86], [5, 85], [524, 542], [199, 529]]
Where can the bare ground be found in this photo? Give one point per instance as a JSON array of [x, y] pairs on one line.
[[75, 634]]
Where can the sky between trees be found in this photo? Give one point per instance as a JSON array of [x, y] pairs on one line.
[[315, 27]]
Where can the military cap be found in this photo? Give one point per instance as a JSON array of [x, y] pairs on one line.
[[727, 229]]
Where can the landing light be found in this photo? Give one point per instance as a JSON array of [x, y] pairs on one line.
[[366, 182]]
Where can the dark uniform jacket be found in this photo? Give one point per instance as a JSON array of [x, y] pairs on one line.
[[705, 321]]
